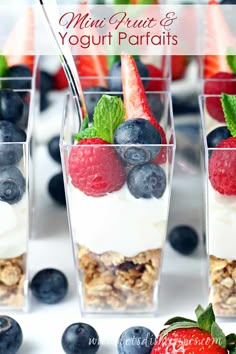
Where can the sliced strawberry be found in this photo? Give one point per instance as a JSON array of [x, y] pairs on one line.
[[219, 38], [95, 66], [60, 80], [179, 65], [135, 99], [19, 46]]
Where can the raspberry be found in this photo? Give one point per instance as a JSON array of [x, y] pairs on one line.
[[222, 167], [96, 170], [219, 83]]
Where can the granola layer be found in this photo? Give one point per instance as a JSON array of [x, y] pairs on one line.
[[12, 277], [223, 281], [112, 281]]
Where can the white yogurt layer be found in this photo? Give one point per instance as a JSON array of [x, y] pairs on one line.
[[13, 228], [222, 224], [118, 222]]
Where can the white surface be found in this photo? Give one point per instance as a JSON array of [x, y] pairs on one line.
[[183, 281]]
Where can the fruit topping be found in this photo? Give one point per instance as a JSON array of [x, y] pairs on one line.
[[80, 338], [155, 74], [60, 81], [222, 167], [94, 67], [56, 189], [20, 79], [137, 132], [46, 85], [49, 286], [135, 99], [54, 149], [10, 133], [11, 106], [12, 184], [183, 239], [221, 82], [156, 105], [11, 336], [92, 98], [217, 135], [182, 335], [115, 83], [179, 65], [95, 167], [136, 340], [147, 181]]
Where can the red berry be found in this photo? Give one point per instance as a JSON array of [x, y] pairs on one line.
[[222, 167], [179, 65], [95, 170], [60, 80], [188, 341], [155, 73], [219, 83]]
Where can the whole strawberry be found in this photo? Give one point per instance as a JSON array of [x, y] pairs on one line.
[[95, 167], [219, 83], [204, 336]]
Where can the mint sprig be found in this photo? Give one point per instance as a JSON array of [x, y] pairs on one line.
[[108, 115], [231, 59], [3, 66], [229, 108]]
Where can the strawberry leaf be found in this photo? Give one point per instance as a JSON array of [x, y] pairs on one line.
[[229, 107], [199, 311], [206, 319], [109, 113], [86, 133], [178, 319], [178, 325], [231, 341], [3, 65], [218, 335]]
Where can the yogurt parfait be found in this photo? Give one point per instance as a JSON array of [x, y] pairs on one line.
[[117, 172]]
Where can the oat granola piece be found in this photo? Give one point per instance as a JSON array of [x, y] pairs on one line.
[[112, 281], [223, 281]]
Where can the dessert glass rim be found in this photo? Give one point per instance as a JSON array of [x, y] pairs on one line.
[[68, 95]]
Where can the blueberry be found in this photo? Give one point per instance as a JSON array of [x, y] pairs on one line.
[[49, 286], [147, 181], [187, 104], [44, 102], [156, 105], [56, 189], [18, 71], [12, 184], [54, 149], [92, 98], [183, 239], [136, 340], [23, 122], [11, 106], [137, 132], [10, 153], [80, 338], [228, 2], [114, 82], [11, 336], [217, 135], [46, 82]]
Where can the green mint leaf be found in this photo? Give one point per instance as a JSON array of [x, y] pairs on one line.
[[179, 325], [231, 341], [108, 115], [218, 335], [86, 133], [112, 59], [229, 107], [232, 351], [178, 319], [3, 65], [206, 319], [85, 123], [199, 311]]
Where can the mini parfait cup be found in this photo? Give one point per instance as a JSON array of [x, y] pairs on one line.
[[220, 223], [16, 184], [117, 236]]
